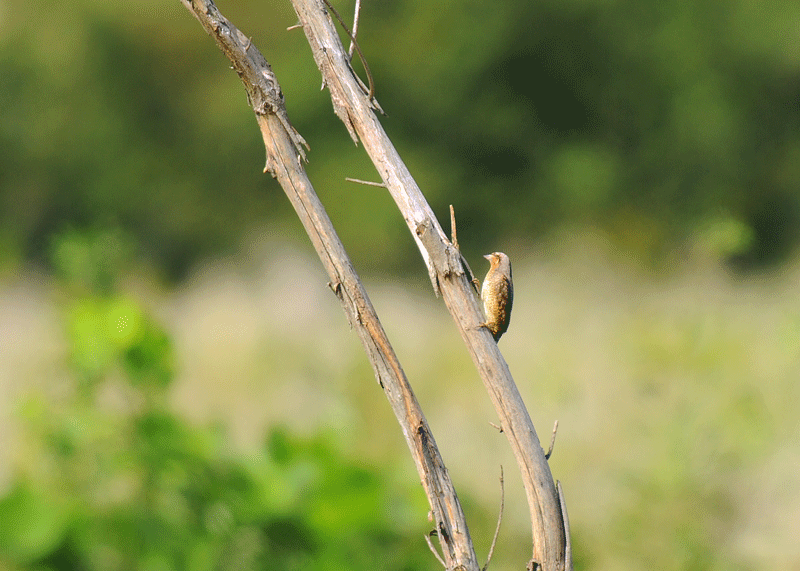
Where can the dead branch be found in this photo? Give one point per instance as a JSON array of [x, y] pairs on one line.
[[284, 154], [448, 279]]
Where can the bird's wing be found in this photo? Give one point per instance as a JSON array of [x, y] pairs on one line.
[[506, 290]]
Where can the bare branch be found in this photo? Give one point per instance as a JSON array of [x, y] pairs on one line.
[[448, 279], [499, 521], [284, 153], [371, 92], [283, 146], [366, 182], [356, 15], [263, 92]]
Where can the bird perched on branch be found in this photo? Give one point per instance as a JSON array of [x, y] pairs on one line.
[[497, 294]]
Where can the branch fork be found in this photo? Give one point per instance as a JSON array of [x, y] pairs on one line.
[[285, 153]]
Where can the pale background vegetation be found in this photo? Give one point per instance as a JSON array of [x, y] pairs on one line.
[[637, 161]]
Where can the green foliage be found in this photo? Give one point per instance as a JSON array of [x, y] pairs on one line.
[[112, 479], [91, 259], [646, 120]]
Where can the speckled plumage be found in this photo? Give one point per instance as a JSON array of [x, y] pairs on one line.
[[497, 294]]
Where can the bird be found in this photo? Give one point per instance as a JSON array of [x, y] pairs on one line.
[[497, 294]]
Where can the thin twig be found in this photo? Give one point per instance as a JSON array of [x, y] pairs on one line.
[[371, 93], [565, 519], [433, 550], [296, 26], [499, 428], [499, 520], [356, 14], [552, 441], [368, 183], [453, 233], [464, 264]]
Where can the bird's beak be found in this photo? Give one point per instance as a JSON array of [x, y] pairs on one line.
[[488, 257]]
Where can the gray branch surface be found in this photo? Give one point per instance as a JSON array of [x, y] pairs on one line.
[[356, 111], [284, 154]]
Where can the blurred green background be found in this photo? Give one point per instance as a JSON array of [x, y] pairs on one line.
[[180, 390]]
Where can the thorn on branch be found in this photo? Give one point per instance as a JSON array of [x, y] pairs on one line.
[[499, 428]]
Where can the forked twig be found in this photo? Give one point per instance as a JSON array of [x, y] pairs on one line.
[[371, 93]]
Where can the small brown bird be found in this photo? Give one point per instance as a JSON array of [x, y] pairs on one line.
[[497, 294]]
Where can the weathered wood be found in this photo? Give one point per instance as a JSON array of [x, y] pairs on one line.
[[284, 147], [356, 110]]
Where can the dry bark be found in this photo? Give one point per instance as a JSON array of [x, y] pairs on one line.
[[354, 104]]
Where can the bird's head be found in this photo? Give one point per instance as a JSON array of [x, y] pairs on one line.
[[497, 259]]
